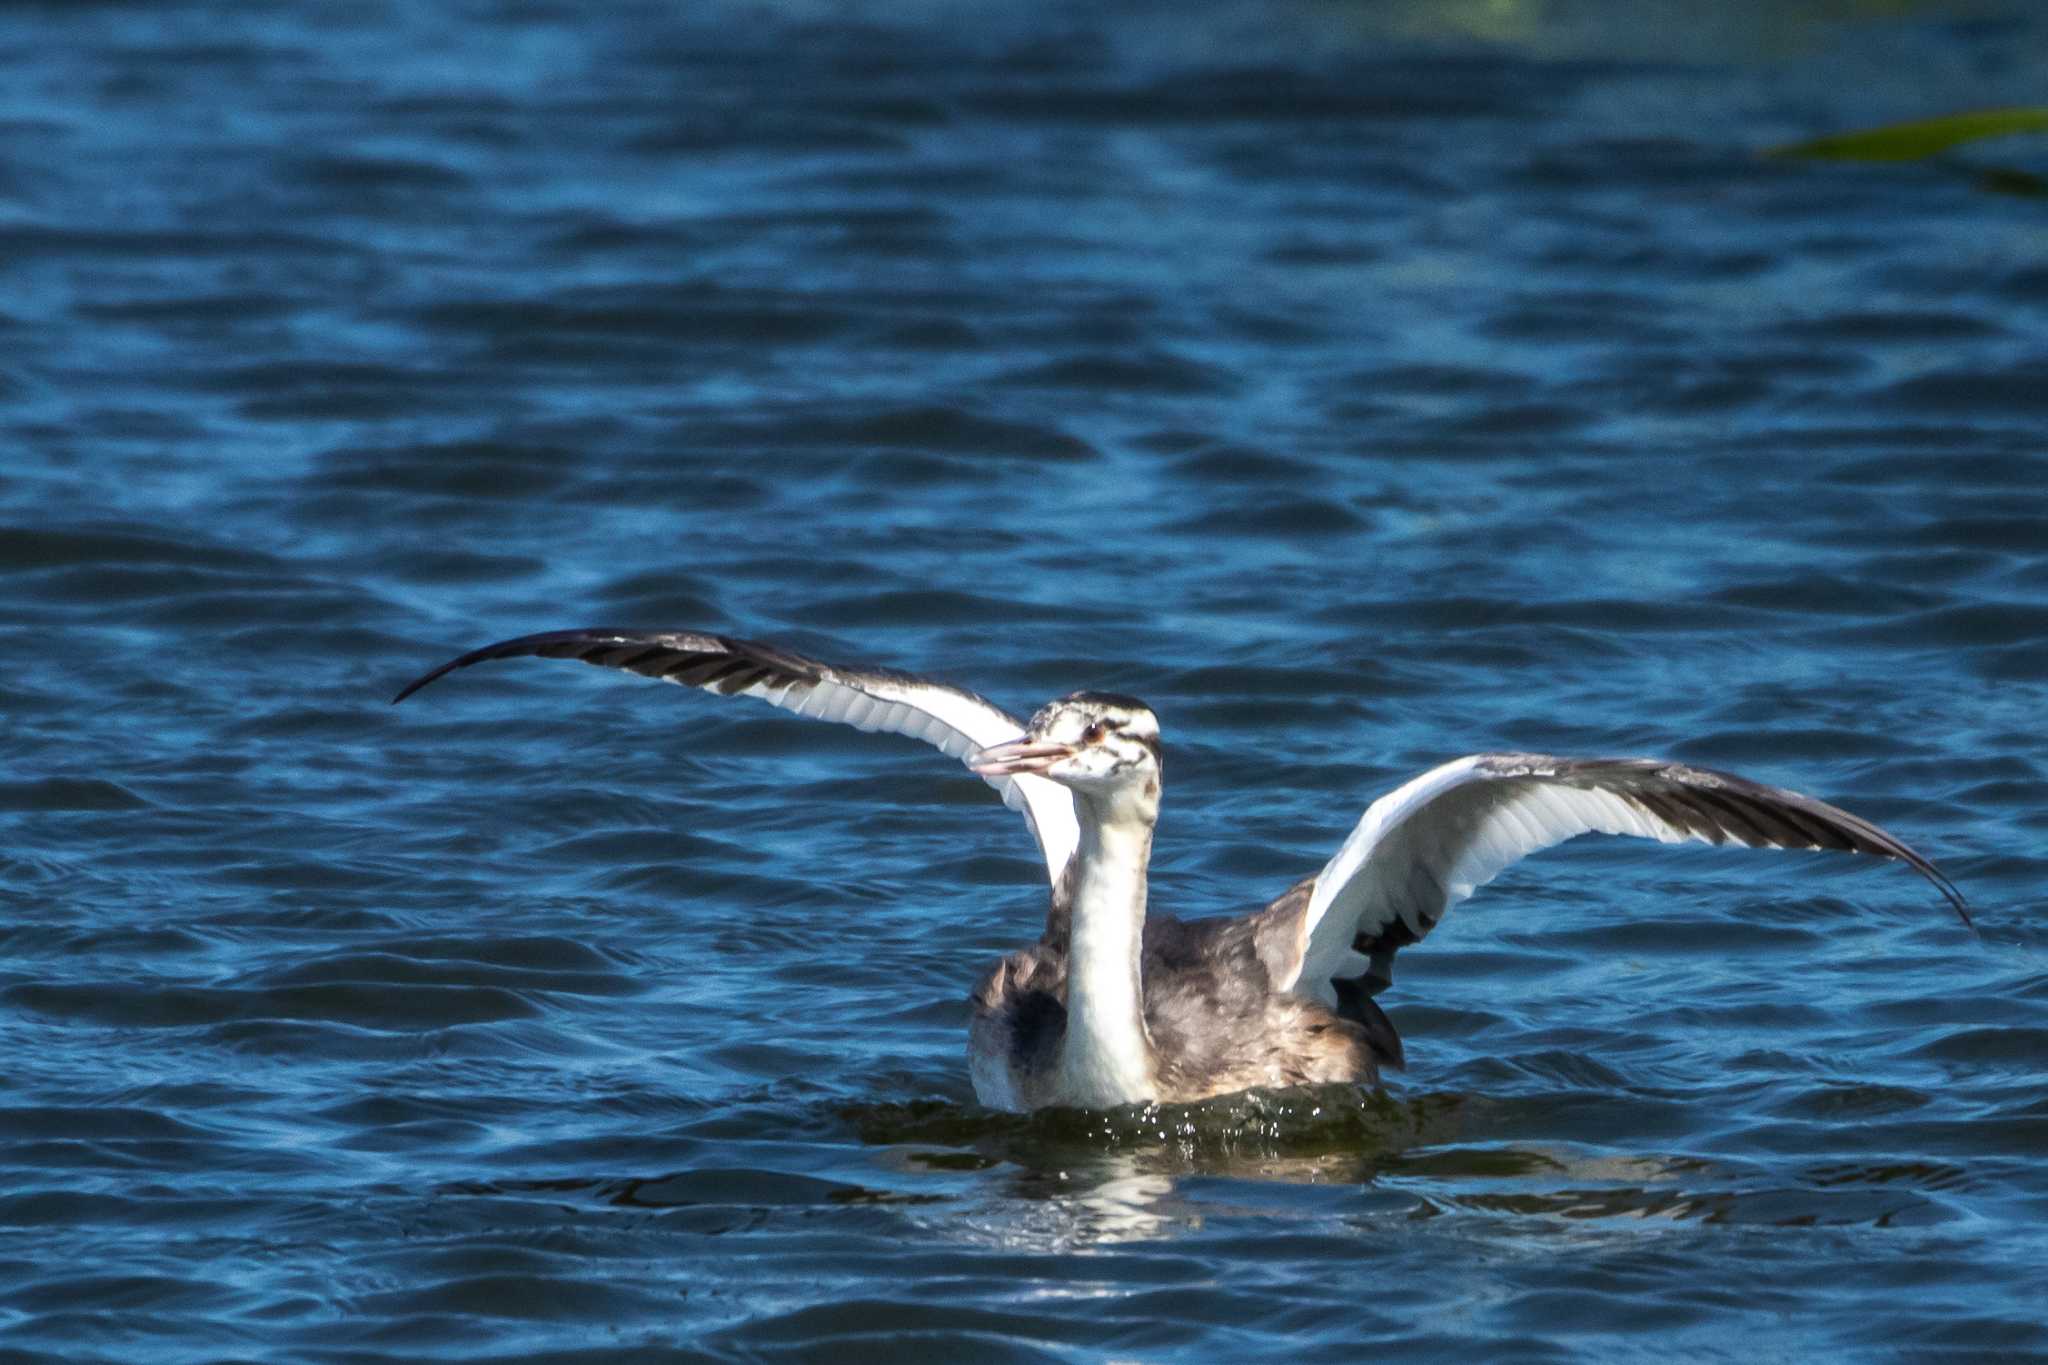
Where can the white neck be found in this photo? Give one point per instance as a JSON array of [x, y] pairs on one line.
[[1106, 1057]]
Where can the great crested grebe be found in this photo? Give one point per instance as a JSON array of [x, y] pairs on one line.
[[1114, 1006]]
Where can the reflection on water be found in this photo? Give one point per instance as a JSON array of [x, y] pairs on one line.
[[1096, 1199]]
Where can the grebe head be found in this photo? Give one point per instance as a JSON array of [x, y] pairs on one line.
[[1097, 743]]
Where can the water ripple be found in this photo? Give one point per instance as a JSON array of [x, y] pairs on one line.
[[1362, 390]]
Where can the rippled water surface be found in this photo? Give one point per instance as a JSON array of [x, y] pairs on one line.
[[1361, 386]]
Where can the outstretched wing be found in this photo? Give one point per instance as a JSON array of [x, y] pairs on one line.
[[1424, 847], [957, 722]]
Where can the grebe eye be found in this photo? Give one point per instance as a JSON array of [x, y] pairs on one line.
[[1094, 733]]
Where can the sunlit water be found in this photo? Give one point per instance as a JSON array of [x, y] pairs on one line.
[[1360, 388]]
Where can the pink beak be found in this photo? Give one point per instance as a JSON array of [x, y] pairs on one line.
[[1024, 755]]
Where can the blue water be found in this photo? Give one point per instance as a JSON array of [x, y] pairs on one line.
[[1362, 386]]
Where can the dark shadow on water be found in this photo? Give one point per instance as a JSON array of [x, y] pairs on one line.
[[1124, 1174], [1265, 1133], [1068, 1178]]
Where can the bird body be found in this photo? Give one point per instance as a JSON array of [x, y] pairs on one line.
[[1214, 1020], [1114, 1005]]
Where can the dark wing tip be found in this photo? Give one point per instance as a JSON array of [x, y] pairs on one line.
[[1889, 847], [1946, 887], [1861, 835], [1892, 848], [558, 641], [1808, 818], [1719, 806]]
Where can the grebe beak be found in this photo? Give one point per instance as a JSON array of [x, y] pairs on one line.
[[1025, 755]]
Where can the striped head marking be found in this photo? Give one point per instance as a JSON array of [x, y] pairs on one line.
[[1090, 741]]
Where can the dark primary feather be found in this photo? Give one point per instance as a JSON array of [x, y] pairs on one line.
[[1723, 808], [953, 720], [713, 662]]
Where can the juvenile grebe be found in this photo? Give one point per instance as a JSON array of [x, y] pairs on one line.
[[1112, 1006]]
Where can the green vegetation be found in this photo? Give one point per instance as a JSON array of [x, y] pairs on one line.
[[1923, 139]]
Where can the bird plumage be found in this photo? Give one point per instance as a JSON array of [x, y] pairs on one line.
[[1113, 1004]]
